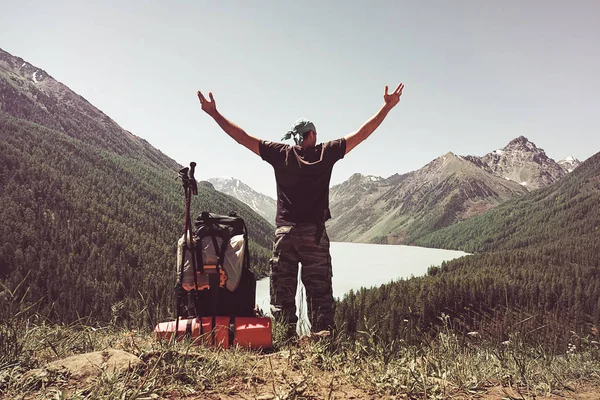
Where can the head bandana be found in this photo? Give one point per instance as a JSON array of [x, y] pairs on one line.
[[299, 129]]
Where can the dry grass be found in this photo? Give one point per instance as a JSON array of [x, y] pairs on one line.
[[332, 368]]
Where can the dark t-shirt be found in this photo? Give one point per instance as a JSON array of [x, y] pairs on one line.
[[302, 178]]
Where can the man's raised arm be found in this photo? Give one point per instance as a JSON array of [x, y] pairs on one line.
[[390, 100], [237, 133]]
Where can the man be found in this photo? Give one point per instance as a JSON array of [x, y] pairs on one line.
[[302, 173]]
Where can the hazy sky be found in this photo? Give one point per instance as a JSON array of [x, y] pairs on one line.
[[477, 74]]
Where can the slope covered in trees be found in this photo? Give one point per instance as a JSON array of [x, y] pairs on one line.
[[537, 271], [87, 231]]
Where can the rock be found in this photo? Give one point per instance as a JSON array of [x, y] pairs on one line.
[[84, 367]]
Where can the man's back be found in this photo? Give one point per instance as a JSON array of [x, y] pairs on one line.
[[302, 176]]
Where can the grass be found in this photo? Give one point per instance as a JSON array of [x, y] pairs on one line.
[[445, 366]]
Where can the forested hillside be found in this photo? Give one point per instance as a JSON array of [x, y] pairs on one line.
[[538, 273], [90, 212], [84, 229]]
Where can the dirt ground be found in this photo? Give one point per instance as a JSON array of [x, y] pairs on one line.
[[324, 390], [275, 378], [281, 382]]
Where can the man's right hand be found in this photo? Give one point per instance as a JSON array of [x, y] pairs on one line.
[[209, 107], [390, 101], [394, 98]]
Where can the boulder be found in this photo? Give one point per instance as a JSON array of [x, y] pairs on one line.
[[85, 367]]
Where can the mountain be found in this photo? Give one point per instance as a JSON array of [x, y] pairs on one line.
[[90, 212], [568, 208], [401, 208], [535, 274], [451, 188], [569, 164], [264, 205], [30, 93], [523, 162]]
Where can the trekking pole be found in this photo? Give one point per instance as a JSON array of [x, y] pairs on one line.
[[190, 187], [192, 190]]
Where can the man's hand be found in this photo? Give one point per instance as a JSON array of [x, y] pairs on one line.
[[353, 139], [209, 107], [236, 133], [392, 99]]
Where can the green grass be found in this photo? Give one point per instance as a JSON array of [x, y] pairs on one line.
[[439, 368], [445, 365]]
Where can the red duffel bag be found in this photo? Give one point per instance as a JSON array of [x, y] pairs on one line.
[[246, 332]]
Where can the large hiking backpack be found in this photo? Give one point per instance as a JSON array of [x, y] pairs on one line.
[[214, 276]]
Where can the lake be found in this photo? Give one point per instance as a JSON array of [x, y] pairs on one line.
[[357, 265]]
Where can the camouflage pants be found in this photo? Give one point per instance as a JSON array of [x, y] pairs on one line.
[[301, 244]]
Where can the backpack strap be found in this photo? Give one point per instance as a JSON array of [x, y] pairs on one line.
[[188, 328], [218, 251], [231, 330], [214, 284], [198, 256], [246, 246], [213, 332]]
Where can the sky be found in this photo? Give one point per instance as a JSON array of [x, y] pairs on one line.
[[477, 74]]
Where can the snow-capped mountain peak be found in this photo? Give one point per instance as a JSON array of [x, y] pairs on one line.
[[262, 204], [523, 162], [569, 163]]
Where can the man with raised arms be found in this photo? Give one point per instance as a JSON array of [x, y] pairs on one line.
[[302, 174]]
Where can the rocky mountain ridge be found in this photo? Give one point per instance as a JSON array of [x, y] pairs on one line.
[[264, 205], [523, 162], [402, 207], [30, 93], [449, 189]]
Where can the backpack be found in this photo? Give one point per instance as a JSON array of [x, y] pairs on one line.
[[214, 276]]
